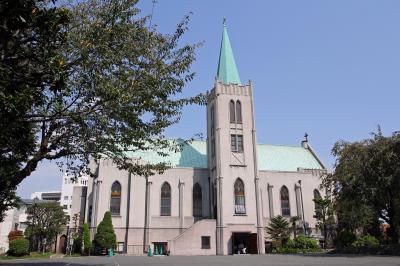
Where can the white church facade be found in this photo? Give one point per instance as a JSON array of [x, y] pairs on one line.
[[219, 195]]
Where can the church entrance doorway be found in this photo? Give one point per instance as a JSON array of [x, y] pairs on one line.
[[244, 243]]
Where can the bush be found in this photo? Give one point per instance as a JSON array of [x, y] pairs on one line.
[[18, 247], [15, 234], [105, 236], [346, 238], [367, 241], [86, 239], [301, 244]]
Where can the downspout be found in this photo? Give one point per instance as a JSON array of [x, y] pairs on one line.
[[128, 207], [260, 228]]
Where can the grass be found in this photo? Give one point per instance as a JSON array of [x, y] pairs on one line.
[[33, 255]]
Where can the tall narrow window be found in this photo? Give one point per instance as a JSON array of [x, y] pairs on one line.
[[232, 111], [238, 112], [285, 205], [197, 201], [240, 206], [166, 200], [317, 195], [115, 203], [212, 119]]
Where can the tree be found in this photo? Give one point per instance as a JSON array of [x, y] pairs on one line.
[[324, 216], [105, 236], [365, 184], [45, 221], [279, 230], [293, 222], [123, 87], [31, 35], [87, 243]]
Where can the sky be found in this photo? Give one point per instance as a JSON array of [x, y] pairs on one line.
[[328, 68]]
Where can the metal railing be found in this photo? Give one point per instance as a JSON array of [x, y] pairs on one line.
[[135, 249]]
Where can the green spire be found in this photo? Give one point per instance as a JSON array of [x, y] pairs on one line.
[[227, 71]]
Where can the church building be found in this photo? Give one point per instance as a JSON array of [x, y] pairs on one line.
[[218, 195]]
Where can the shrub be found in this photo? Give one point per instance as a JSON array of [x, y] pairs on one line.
[[346, 238], [105, 236], [15, 234], [301, 244], [367, 241], [18, 247], [86, 239]]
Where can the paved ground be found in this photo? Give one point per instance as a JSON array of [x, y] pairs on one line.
[[248, 260]]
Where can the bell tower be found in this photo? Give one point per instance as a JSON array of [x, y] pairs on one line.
[[232, 155]]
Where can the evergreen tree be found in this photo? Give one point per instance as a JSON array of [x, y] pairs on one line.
[[105, 236], [86, 239], [279, 230]]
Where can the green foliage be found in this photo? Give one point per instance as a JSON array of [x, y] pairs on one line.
[[279, 230], [105, 236], [346, 238], [87, 243], [77, 245], [18, 247], [15, 234], [366, 241], [45, 221], [32, 34], [109, 85], [365, 184], [301, 244], [293, 222], [324, 216]]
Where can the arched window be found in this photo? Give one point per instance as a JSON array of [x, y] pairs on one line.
[[115, 203], [240, 206], [166, 200], [285, 205], [197, 201], [238, 112], [232, 111], [317, 195]]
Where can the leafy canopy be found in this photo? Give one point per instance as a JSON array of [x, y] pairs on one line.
[[108, 85], [45, 221], [31, 35], [366, 184]]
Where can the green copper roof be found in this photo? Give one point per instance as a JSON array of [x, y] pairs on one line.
[[270, 157], [285, 158], [227, 71], [191, 155]]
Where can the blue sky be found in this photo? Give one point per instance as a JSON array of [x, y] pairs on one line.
[[328, 68]]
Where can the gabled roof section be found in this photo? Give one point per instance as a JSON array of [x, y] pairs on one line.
[[285, 158], [270, 157], [227, 71], [193, 155]]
